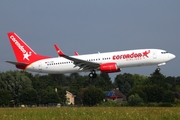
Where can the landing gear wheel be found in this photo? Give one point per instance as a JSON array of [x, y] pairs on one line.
[[93, 74], [158, 69]]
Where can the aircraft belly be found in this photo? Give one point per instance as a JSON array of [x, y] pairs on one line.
[[44, 68], [61, 69]]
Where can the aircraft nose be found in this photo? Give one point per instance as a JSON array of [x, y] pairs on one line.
[[172, 56]]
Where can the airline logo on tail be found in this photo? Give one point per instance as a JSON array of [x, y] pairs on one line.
[[21, 48]]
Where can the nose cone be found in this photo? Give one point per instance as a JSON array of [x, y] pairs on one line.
[[172, 56]]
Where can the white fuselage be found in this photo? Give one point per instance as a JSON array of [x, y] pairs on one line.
[[123, 59]]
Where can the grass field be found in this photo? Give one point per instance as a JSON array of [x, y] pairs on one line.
[[91, 113]]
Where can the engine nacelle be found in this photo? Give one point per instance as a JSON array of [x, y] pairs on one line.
[[109, 68]]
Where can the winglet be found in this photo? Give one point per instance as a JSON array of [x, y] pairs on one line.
[[76, 53], [58, 50]]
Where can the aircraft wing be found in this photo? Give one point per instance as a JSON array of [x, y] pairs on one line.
[[83, 64]]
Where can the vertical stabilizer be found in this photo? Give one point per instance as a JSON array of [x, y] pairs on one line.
[[22, 51]]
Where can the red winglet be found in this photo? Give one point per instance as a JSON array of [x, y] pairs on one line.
[[60, 53], [76, 53]]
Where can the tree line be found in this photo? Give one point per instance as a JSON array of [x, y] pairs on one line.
[[21, 87]]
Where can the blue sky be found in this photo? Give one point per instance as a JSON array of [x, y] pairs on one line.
[[92, 26]]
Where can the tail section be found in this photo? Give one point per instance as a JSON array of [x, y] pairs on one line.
[[23, 53]]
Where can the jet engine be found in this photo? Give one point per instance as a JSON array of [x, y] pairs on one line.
[[109, 67]]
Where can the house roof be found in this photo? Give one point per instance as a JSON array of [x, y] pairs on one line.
[[119, 93], [67, 92], [109, 93]]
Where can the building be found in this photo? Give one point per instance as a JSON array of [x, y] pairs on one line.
[[70, 98], [115, 95]]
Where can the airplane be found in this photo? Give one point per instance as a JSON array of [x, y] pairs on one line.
[[108, 62]]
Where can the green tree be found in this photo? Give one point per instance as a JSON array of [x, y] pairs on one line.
[[74, 86], [5, 98], [177, 80], [93, 96], [124, 82], [177, 84], [158, 78], [104, 81], [101, 83], [37, 83], [51, 97], [134, 100], [139, 79], [59, 79], [62, 95], [126, 87], [105, 76], [42, 96], [154, 93], [79, 97], [14, 82], [29, 97], [168, 97], [74, 75], [171, 83], [138, 90]]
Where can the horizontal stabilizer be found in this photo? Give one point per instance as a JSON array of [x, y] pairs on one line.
[[17, 63]]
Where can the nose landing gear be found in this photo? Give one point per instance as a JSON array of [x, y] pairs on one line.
[[158, 66], [159, 69]]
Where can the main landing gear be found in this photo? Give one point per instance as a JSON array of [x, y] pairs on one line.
[[93, 74]]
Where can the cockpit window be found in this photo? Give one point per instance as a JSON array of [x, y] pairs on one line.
[[164, 52]]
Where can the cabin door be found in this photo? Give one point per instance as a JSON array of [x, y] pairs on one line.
[[154, 55], [40, 66]]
